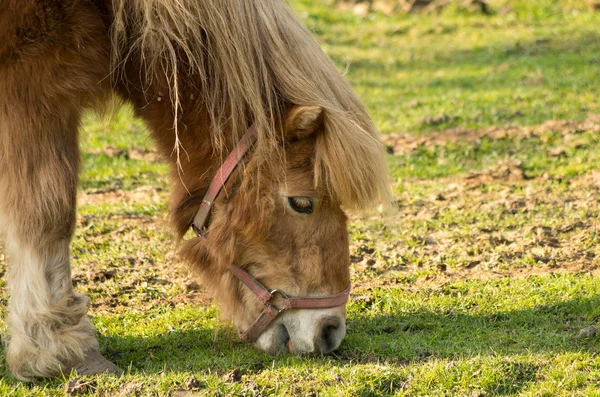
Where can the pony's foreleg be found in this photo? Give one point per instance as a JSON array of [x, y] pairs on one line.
[[54, 62], [49, 331], [48, 328]]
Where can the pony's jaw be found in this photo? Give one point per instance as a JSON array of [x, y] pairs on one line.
[[306, 331]]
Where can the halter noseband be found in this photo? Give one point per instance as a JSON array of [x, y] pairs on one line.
[[270, 312]]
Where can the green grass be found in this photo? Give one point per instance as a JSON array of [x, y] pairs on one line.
[[532, 64], [477, 285]]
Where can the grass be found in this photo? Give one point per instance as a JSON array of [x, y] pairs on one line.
[[532, 64], [478, 285]]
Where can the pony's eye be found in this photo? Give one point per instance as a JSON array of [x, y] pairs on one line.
[[302, 205]]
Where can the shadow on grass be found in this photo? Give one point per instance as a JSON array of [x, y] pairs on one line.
[[415, 336], [543, 329]]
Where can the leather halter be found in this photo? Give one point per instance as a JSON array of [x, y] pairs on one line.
[[286, 302]]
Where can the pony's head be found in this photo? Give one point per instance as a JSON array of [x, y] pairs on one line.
[[280, 222]]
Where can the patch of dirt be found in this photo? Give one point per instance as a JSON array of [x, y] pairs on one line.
[[110, 195], [194, 383], [134, 153], [129, 388], [80, 387], [433, 274], [363, 7], [591, 180], [407, 144], [587, 332], [511, 170], [234, 376], [184, 393]]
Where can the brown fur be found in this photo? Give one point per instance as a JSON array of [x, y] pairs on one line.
[[199, 72]]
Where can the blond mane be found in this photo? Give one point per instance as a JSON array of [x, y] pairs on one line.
[[254, 58]]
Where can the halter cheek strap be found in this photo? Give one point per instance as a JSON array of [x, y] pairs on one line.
[[218, 181], [260, 291]]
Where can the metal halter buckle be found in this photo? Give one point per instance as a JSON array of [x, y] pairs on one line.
[[284, 297]]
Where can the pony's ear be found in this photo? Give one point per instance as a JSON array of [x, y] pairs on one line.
[[302, 122]]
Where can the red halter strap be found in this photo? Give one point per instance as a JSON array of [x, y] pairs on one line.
[[285, 303], [262, 293], [218, 181]]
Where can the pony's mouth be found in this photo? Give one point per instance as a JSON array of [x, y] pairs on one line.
[[287, 341]]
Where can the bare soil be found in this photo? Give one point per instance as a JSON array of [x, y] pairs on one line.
[[407, 144]]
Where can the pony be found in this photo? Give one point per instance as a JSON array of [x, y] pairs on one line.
[[201, 73]]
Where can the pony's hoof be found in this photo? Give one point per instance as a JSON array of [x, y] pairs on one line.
[[95, 363]]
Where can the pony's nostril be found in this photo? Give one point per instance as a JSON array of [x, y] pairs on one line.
[[327, 337], [284, 336]]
